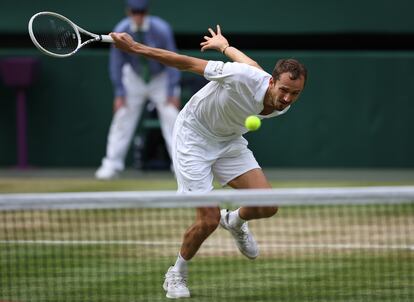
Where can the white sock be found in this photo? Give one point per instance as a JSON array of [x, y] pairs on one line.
[[234, 218], [181, 265]]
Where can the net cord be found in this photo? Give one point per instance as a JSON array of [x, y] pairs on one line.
[[169, 199]]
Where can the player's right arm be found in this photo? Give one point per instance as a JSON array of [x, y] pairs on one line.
[[125, 42]]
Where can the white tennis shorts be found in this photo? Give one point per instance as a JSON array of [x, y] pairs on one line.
[[198, 159]]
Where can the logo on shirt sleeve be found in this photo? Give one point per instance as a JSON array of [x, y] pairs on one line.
[[218, 68]]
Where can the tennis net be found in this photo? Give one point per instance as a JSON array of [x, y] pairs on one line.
[[325, 244]]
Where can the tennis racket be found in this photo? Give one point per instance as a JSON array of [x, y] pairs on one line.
[[57, 36]]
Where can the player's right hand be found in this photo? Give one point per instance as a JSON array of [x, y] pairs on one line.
[[123, 41]]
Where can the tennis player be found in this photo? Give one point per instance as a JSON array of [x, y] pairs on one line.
[[208, 141]]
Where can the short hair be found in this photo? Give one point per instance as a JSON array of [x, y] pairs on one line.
[[294, 67]]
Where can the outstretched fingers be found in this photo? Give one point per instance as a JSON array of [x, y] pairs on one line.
[[211, 32], [215, 41], [204, 45], [218, 30]]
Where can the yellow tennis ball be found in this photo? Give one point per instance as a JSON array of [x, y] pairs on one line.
[[252, 123]]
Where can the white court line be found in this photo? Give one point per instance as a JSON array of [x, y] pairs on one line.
[[172, 243], [340, 246]]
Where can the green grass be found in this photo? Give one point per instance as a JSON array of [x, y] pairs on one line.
[[134, 272], [99, 275], [36, 185], [121, 272]]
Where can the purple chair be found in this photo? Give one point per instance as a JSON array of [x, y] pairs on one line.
[[20, 73]]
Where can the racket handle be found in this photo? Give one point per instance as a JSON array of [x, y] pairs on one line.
[[106, 38]]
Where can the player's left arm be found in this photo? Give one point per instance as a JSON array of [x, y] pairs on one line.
[[218, 42]]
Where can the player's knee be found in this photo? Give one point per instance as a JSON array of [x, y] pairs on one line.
[[207, 221], [259, 212]]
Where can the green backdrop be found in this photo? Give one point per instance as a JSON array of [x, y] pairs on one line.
[[356, 111], [269, 16]]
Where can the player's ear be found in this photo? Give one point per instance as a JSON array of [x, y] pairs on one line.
[[272, 82]]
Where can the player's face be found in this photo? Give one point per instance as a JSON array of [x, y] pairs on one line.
[[284, 91]]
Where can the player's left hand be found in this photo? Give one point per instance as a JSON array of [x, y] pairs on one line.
[[217, 41]]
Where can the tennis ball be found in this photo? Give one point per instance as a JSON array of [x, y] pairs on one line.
[[252, 123]]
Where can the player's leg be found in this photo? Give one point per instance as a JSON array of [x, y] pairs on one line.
[[206, 222], [123, 125], [239, 169], [253, 179], [192, 157]]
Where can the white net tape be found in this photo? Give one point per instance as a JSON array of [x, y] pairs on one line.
[[166, 199]]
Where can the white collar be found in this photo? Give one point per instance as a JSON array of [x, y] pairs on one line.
[[145, 25], [275, 113]]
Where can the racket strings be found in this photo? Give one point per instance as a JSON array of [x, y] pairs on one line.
[[55, 35]]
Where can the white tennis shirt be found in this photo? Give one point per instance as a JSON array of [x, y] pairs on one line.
[[235, 91]]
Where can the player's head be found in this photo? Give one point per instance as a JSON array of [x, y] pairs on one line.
[[287, 82], [292, 66], [137, 9]]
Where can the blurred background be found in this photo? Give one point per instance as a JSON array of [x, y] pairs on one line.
[[356, 111]]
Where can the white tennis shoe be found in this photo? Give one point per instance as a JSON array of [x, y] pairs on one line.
[[242, 235], [105, 173], [175, 284]]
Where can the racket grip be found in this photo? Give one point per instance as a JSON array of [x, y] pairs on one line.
[[106, 38]]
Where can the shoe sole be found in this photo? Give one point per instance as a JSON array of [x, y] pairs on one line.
[[176, 297], [168, 295], [107, 178]]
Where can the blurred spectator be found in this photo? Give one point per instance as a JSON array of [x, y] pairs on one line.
[[136, 80]]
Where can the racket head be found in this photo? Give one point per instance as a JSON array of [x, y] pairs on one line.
[[54, 34]]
